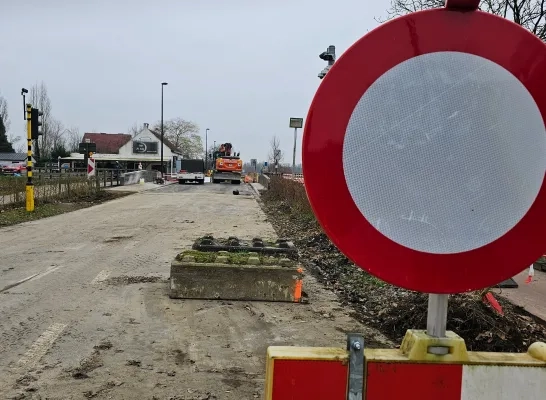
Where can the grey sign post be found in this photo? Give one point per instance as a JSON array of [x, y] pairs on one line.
[[295, 123]]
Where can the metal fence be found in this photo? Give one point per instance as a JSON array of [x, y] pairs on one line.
[[66, 185]]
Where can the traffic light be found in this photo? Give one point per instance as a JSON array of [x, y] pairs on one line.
[[35, 123], [91, 154]]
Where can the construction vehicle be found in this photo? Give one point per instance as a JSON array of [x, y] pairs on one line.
[[227, 165]]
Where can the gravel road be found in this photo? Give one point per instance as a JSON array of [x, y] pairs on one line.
[[84, 310]]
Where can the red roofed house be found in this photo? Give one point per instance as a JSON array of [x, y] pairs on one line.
[[115, 149], [107, 143]]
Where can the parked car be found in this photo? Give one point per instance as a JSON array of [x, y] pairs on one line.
[[14, 169]]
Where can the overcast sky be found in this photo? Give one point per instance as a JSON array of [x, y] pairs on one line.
[[241, 68]]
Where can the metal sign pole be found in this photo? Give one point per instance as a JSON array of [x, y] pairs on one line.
[[294, 153], [295, 123], [437, 320], [355, 347]]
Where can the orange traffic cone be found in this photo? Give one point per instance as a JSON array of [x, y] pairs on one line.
[[530, 275]]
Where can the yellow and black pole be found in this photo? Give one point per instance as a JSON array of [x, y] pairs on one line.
[[30, 185]]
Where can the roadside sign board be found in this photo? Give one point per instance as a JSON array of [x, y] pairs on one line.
[[434, 151], [86, 147], [296, 123], [145, 147]]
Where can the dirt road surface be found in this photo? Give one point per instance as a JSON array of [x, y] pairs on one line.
[[84, 310]]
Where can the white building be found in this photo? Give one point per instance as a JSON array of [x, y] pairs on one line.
[[120, 148]]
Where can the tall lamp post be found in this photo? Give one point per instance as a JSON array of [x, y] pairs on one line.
[[206, 149], [162, 85]]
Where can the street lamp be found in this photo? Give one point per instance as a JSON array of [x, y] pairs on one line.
[[206, 149], [330, 56], [162, 84]]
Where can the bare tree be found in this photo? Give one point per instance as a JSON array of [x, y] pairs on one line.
[[16, 140], [73, 138], [39, 98], [531, 14], [4, 114], [184, 135], [21, 147], [275, 154], [134, 129], [55, 134]]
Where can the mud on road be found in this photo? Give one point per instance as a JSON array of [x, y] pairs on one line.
[[88, 313]]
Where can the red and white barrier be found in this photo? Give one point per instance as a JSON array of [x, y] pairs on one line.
[[91, 170], [409, 373], [454, 382], [294, 177], [530, 274]]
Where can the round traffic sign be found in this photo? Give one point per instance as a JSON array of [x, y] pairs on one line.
[[424, 151]]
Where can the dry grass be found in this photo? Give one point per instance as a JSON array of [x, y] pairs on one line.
[[16, 214], [292, 193], [388, 308]]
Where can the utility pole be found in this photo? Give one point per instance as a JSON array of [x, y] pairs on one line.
[[23, 92], [162, 84], [206, 149]]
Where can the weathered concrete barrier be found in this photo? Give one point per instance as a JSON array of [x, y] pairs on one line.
[[264, 180], [234, 244], [228, 276], [131, 178]]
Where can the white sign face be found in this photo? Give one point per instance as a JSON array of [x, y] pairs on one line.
[[296, 123], [445, 152], [91, 171]]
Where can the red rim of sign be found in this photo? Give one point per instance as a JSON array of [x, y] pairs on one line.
[[477, 33]]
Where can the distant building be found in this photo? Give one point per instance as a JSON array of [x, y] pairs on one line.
[[128, 151], [13, 158], [107, 143]]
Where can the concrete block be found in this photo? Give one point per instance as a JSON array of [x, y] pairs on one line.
[[285, 262], [235, 282], [234, 244], [270, 261], [253, 261]]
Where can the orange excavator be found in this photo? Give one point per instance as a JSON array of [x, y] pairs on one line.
[[227, 165]]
